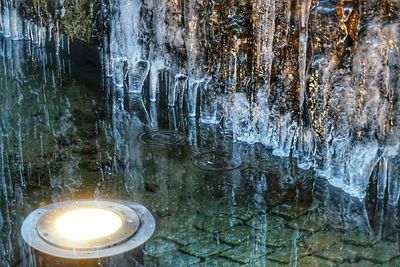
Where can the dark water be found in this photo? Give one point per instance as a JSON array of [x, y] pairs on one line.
[[66, 134]]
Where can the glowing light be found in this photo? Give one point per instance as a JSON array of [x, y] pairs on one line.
[[87, 224]]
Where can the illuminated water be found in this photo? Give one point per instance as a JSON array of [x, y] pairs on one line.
[[217, 203]]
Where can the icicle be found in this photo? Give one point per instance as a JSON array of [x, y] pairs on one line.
[[305, 6], [138, 109], [137, 74]]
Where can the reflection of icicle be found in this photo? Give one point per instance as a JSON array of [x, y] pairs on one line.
[[192, 98], [181, 90], [153, 116], [177, 91], [172, 119], [306, 148], [208, 103], [241, 118], [394, 181], [284, 132], [138, 110], [21, 155], [192, 133], [154, 85], [119, 72]]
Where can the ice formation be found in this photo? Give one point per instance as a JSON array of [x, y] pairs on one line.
[[315, 79]]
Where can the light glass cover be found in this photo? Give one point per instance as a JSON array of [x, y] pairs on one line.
[[87, 224]]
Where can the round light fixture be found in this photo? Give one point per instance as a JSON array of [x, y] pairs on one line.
[[88, 229]]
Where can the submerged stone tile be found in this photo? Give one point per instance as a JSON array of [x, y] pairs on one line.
[[266, 221], [311, 261], [284, 255], [280, 255], [177, 259], [171, 259], [391, 263], [290, 211], [318, 242], [309, 223], [217, 223], [380, 252], [359, 238], [363, 263], [214, 207], [264, 262], [339, 252], [217, 262], [205, 248], [159, 247], [186, 236], [246, 252], [236, 235], [279, 237], [244, 213], [171, 224]]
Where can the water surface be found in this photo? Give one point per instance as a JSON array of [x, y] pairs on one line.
[[217, 203]]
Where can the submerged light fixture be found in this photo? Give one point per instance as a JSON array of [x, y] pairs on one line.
[[88, 229]]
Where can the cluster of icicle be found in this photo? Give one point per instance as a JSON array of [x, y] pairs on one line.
[[341, 116], [39, 31]]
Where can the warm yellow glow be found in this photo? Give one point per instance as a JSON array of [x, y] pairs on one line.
[[88, 224]]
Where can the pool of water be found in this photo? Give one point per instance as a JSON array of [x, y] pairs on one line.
[[64, 136]]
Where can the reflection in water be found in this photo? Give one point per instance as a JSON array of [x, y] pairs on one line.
[[62, 139]]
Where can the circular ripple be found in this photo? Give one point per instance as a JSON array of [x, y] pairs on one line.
[[216, 161], [160, 138]]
